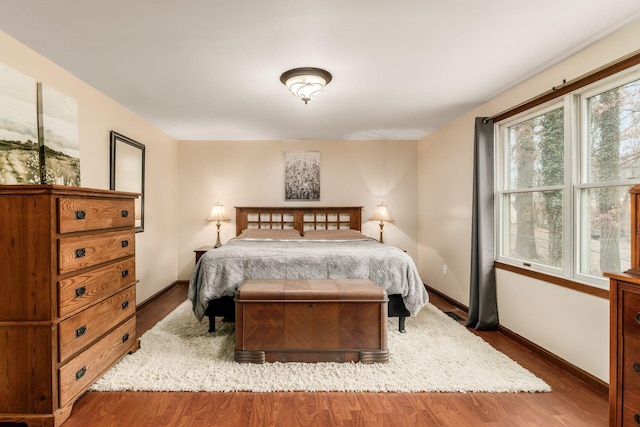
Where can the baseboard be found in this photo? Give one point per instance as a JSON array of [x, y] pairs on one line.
[[581, 374], [447, 298], [160, 293]]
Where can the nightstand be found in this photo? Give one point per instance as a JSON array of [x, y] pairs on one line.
[[201, 251]]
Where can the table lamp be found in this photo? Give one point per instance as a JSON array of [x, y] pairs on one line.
[[381, 214], [217, 214]]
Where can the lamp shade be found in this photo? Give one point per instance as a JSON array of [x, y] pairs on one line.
[[217, 213], [381, 214], [305, 83]]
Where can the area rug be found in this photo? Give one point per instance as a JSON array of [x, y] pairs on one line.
[[436, 354]]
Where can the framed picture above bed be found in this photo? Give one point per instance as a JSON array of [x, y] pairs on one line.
[[302, 176]]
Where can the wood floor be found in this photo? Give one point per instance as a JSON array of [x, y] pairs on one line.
[[571, 403]]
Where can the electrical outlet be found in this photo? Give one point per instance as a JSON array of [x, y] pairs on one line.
[[444, 269]]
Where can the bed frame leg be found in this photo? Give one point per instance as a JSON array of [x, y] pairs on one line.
[[401, 320], [212, 324]]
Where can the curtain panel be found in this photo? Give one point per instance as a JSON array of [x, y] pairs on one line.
[[483, 307]]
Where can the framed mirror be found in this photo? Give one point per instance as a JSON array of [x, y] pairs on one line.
[[127, 171]]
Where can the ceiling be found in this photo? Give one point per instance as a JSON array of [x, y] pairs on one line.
[[210, 69]]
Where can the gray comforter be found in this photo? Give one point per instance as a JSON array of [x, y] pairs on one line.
[[220, 272]]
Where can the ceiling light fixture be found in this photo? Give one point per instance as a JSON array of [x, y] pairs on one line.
[[305, 83]]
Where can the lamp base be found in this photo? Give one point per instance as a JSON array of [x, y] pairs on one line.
[[381, 240], [218, 243]]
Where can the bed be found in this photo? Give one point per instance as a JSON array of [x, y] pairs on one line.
[[302, 243]]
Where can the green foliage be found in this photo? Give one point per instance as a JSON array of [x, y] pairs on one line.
[[605, 131], [552, 160]]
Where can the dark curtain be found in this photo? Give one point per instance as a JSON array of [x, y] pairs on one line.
[[483, 307]]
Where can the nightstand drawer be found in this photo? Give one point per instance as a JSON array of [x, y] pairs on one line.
[[84, 214], [80, 252], [85, 327], [84, 289], [83, 370]]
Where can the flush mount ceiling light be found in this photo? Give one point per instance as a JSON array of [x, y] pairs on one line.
[[305, 83]]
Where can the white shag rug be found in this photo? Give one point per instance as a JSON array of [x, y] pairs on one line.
[[436, 354]]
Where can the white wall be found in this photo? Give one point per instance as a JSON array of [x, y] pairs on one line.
[[568, 323], [97, 116], [251, 173]]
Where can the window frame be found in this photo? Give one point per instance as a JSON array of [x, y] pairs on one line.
[[576, 141], [502, 193]]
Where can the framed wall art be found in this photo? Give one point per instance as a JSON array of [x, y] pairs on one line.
[[58, 137], [19, 151], [302, 176], [127, 171]]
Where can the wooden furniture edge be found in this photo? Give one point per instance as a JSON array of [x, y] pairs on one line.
[[600, 385], [62, 189], [619, 406]]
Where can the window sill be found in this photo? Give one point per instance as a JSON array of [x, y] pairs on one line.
[[576, 286]]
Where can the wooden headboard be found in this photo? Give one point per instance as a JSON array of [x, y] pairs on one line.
[[299, 218]]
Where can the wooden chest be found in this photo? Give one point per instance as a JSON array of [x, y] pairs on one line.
[[67, 311], [328, 320]]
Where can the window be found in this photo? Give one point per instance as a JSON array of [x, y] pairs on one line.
[[564, 173]]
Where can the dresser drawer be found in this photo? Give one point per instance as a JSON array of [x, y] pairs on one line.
[[86, 368], [84, 289], [631, 364], [630, 408], [85, 327], [630, 313], [75, 253], [84, 214]]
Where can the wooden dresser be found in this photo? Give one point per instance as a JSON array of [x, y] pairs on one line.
[[624, 373], [624, 377], [68, 299]]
